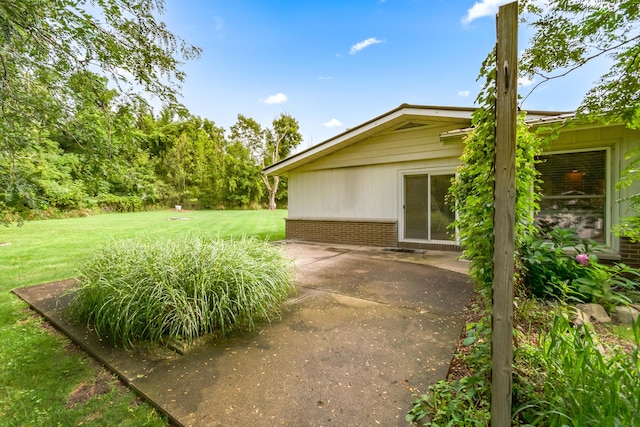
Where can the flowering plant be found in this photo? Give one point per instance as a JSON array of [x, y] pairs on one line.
[[582, 259]]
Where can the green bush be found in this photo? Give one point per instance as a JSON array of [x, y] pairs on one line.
[[114, 203], [180, 288], [552, 268]]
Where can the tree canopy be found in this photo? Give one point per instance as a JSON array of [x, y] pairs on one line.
[[268, 146], [56, 57], [570, 33]]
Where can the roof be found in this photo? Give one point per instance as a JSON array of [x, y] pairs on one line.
[[403, 116], [533, 120]]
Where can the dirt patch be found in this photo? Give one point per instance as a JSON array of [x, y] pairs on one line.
[[85, 392]]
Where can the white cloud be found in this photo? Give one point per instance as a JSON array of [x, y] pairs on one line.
[[325, 77], [278, 98], [523, 81], [483, 8], [365, 43], [464, 93], [218, 23], [333, 123]]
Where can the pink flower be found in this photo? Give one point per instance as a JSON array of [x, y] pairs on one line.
[[583, 259]]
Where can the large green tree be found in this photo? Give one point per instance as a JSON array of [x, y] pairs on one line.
[[568, 34], [45, 43], [268, 146]]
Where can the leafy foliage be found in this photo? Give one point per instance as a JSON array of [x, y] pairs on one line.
[[180, 288], [473, 187], [630, 226], [268, 146], [115, 155], [47, 49], [570, 379], [560, 382], [551, 269], [462, 402], [570, 34]]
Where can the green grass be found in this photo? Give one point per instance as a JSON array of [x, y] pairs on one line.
[[39, 369], [623, 331]]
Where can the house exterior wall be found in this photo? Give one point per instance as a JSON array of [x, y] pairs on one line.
[[353, 195], [617, 140], [391, 147], [343, 231], [361, 181]]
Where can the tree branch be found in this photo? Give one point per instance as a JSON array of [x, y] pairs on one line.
[[577, 66]]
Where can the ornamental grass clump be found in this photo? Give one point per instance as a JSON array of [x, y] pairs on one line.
[[181, 288]]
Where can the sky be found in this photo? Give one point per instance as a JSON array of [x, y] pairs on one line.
[[334, 64]]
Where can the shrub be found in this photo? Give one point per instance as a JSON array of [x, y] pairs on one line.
[[180, 288], [115, 203], [561, 265]]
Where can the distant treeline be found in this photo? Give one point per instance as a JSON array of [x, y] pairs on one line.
[[112, 153]]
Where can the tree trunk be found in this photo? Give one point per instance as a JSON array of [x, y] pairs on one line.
[[272, 189]]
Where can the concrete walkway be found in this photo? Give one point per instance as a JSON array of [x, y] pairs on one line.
[[366, 329]]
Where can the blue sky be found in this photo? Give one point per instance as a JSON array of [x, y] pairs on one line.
[[334, 64]]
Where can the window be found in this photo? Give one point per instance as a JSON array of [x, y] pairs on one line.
[[574, 192]]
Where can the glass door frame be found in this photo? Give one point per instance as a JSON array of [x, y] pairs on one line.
[[401, 203]]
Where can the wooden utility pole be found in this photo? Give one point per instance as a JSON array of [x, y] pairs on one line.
[[504, 217]]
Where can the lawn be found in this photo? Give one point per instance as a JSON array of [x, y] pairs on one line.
[[39, 368]]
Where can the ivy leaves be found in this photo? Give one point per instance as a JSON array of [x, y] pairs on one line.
[[473, 189]]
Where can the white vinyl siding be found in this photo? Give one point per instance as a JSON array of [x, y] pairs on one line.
[[392, 147], [368, 192]]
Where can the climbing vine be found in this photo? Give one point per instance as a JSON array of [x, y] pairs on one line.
[[473, 189]]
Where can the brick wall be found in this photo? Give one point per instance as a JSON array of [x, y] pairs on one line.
[[339, 231], [629, 252]]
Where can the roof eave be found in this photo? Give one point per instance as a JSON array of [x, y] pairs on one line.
[[362, 131]]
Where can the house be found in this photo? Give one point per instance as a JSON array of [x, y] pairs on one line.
[[383, 183]]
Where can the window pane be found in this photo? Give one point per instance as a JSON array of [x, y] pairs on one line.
[[441, 214], [416, 212], [573, 192]]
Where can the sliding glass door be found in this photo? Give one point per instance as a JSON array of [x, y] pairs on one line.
[[426, 216]]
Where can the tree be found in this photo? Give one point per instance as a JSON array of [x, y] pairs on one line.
[[242, 186], [571, 33], [44, 43], [268, 146]]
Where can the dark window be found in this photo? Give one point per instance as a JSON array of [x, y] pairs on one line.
[[573, 192]]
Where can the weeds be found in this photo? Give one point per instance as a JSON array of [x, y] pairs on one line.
[[562, 376], [582, 384], [463, 402], [180, 288]]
